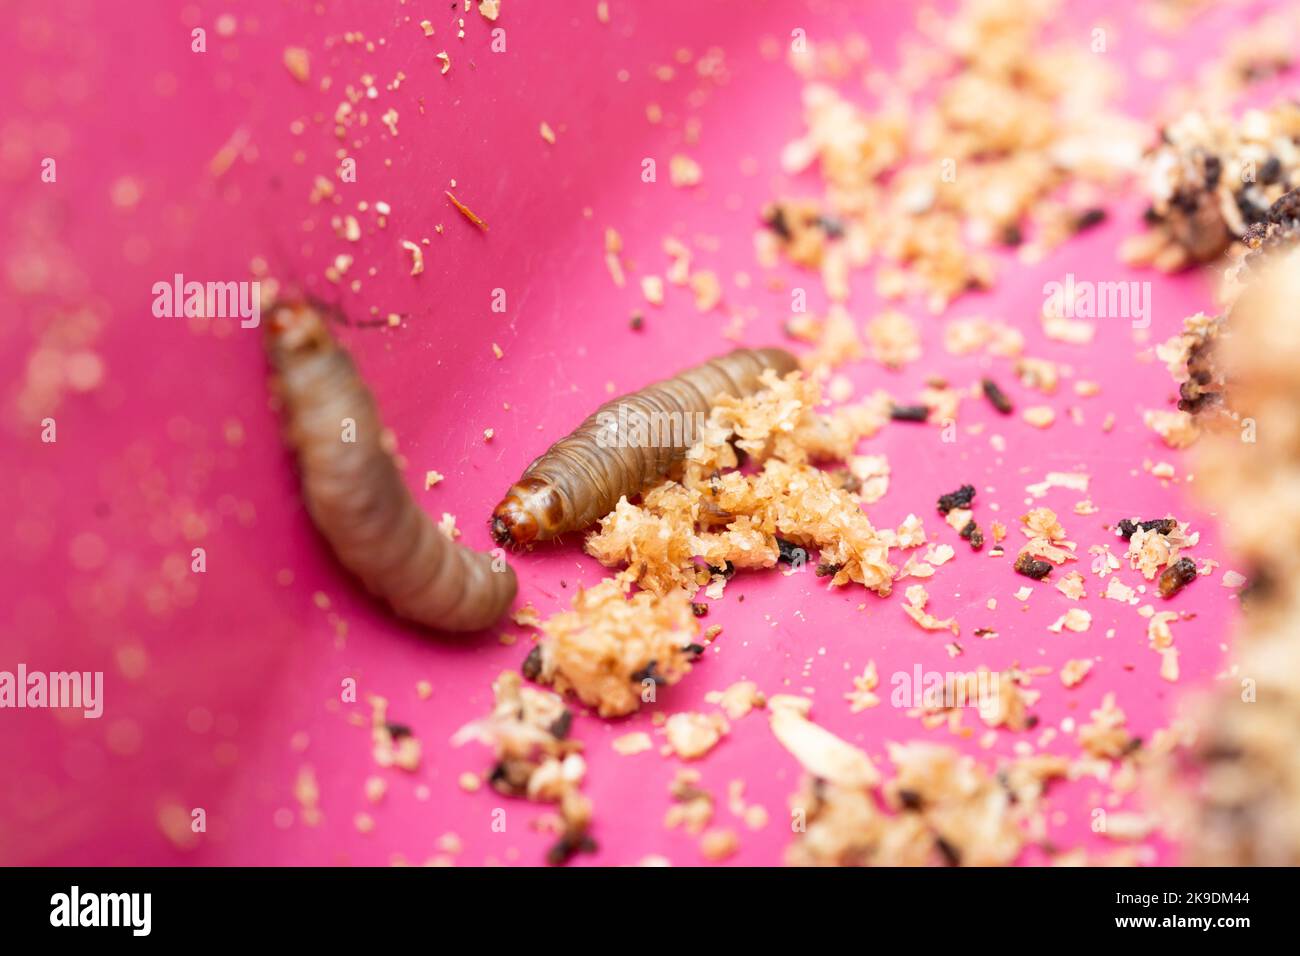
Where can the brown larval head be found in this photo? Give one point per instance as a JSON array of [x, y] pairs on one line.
[[296, 327], [530, 511]]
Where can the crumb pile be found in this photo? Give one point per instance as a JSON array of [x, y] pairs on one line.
[[1192, 355], [941, 807], [1245, 763], [612, 649], [1005, 114], [528, 730], [1211, 179]]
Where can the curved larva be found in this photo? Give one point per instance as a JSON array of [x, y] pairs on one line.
[[581, 477], [357, 497]]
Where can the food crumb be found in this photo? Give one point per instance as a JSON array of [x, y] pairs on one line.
[[417, 256], [738, 699], [652, 287], [692, 735], [1040, 416], [1233, 579], [1075, 619], [633, 743], [1074, 671], [684, 171], [719, 844], [1072, 586], [1169, 664], [298, 62], [466, 211]]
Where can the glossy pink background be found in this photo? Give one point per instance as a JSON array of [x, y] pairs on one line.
[[234, 663]]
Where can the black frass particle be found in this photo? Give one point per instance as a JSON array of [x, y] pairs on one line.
[[649, 672], [1032, 567], [532, 666], [831, 226], [1213, 171], [774, 219], [1089, 218], [1127, 527], [909, 413], [950, 853], [568, 846], [790, 552], [997, 398], [961, 498], [727, 571], [561, 725], [1286, 210], [1251, 210], [1177, 576]]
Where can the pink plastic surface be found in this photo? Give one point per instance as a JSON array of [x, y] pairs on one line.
[[221, 686]]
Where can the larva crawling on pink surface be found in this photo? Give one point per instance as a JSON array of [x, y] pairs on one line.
[[623, 446], [356, 495]]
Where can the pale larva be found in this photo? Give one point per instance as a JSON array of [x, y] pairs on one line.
[[357, 497], [625, 444]]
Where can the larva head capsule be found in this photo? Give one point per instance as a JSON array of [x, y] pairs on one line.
[[530, 511], [510, 526], [296, 328]]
